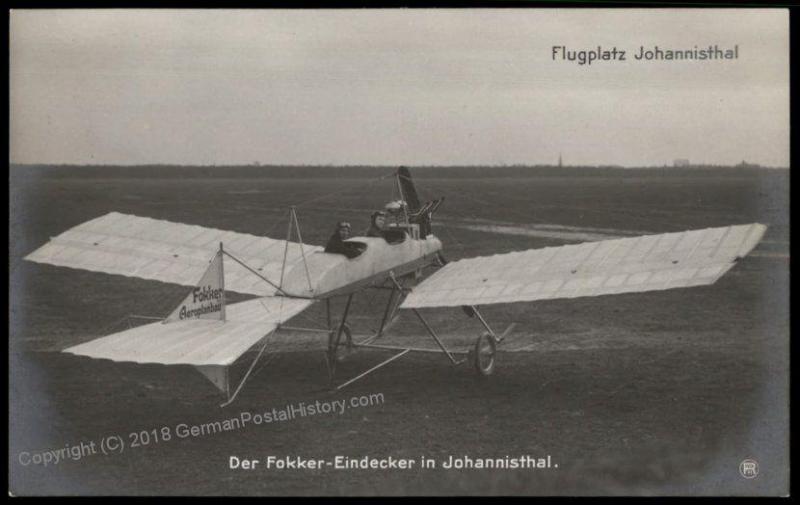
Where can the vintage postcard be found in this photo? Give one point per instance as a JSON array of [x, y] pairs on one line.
[[399, 252]]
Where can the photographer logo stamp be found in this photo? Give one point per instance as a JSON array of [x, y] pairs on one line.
[[748, 468]]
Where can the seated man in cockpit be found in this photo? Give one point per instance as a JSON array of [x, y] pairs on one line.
[[377, 224], [337, 245]]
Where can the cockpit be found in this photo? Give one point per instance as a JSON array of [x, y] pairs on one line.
[[392, 235], [396, 227]]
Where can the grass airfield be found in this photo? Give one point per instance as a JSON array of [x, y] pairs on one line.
[[649, 393]]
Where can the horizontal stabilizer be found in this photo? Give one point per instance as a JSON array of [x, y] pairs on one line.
[[628, 265], [197, 341], [170, 252], [217, 375]]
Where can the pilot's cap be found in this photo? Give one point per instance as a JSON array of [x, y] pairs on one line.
[[395, 206], [378, 213], [343, 224]]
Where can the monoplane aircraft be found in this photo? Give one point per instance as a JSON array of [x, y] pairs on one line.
[[288, 276]]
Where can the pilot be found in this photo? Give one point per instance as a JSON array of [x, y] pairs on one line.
[[337, 245], [395, 212], [377, 224]]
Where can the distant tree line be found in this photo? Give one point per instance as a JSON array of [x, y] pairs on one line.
[[359, 171]]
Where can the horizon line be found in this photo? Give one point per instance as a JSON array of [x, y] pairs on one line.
[[742, 164]]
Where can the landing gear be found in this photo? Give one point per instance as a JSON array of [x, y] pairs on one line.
[[483, 353]]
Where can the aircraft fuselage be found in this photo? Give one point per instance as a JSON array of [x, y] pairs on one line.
[[331, 274]]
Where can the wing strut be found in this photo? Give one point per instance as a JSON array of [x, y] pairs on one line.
[[302, 253], [436, 338], [246, 375], [472, 311], [242, 263], [379, 365], [222, 279], [293, 222]]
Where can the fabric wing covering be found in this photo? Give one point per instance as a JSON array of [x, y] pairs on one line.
[[207, 299], [197, 341], [170, 252], [646, 263]]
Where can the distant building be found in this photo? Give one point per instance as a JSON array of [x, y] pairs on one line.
[[560, 163], [680, 162]]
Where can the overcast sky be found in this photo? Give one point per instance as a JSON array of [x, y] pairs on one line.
[[394, 87]]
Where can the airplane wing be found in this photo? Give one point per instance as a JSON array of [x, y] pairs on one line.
[[164, 251], [198, 342], [628, 265], [210, 346]]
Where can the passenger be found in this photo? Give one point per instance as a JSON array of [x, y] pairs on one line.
[[337, 245], [396, 210], [377, 225]]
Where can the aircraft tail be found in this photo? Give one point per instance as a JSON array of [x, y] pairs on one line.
[[417, 213], [409, 191]]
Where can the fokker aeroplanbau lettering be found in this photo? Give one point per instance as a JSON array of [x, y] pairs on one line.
[[200, 295]]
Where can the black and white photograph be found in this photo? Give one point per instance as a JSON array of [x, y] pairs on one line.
[[399, 252]]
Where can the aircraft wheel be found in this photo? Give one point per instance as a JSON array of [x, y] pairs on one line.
[[483, 354]]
